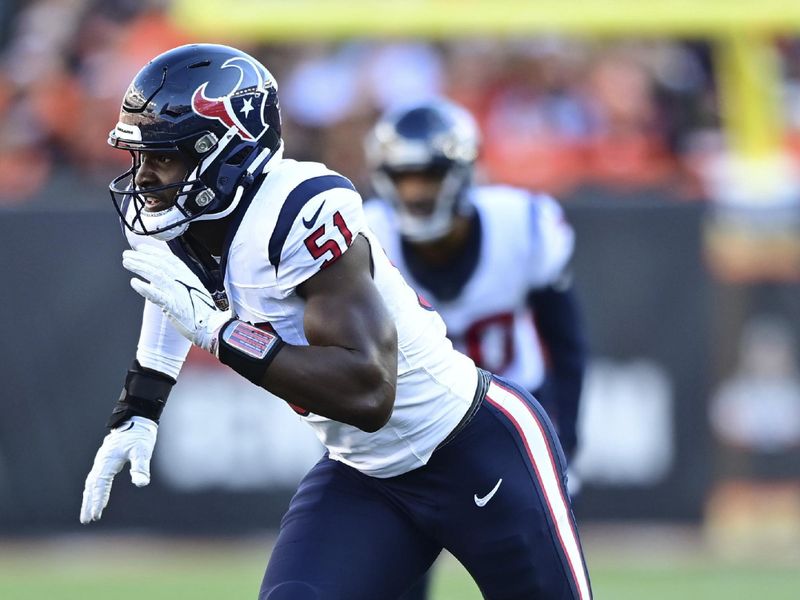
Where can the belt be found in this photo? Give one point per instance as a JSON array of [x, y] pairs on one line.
[[484, 379]]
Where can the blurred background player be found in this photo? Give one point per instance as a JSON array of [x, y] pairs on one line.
[[491, 259]]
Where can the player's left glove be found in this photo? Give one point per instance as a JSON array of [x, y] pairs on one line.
[[177, 290]]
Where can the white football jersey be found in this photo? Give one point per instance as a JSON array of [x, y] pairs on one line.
[[525, 244], [303, 216]]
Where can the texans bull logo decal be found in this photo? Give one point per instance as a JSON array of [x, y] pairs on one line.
[[242, 107]]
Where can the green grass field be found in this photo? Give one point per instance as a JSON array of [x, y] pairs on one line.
[[141, 568]]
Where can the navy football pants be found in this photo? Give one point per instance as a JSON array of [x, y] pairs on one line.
[[495, 497]]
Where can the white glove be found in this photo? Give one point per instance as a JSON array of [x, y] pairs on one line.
[[133, 441], [178, 292]]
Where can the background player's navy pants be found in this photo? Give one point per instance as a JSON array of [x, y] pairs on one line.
[[348, 536]]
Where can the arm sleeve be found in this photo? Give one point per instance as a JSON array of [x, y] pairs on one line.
[[161, 347], [561, 331]]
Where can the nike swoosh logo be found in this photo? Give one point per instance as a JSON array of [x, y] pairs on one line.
[[309, 223], [481, 502], [200, 295]]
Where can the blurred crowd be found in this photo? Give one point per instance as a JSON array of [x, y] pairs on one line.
[[560, 115]]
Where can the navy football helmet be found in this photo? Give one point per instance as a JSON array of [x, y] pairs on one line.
[[437, 137], [218, 107]]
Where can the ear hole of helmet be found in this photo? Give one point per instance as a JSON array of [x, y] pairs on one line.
[[237, 159]]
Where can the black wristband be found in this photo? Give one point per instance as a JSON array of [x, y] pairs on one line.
[[248, 349], [144, 395]]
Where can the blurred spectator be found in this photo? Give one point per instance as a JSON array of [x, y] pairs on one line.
[[628, 147], [32, 66], [757, 408], [536, 119], [790, 50], [66, 65], [558, 114], [113, 43]]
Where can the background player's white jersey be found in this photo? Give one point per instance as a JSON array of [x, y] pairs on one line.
[[525, 244], [303, 217]]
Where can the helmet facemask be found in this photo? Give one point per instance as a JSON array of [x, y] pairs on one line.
[[454, 181], [193, 197], [435, 138]]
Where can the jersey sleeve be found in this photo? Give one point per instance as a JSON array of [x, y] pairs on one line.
[[552, 241], [317, 224]]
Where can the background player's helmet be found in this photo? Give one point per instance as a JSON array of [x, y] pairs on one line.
[[437, 137], [216, 105]]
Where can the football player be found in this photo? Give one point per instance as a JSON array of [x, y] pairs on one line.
[[491, 259], [268, 264]]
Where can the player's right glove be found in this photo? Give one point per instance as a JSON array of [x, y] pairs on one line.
[[133, 441]]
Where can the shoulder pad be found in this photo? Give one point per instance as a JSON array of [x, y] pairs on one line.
[[316, 224]]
